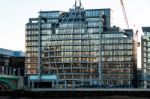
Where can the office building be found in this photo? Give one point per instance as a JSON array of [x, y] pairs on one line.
[[118, 58], [146, 56], [65, 50]]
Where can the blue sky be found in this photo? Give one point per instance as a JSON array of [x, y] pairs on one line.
[[14, 15]]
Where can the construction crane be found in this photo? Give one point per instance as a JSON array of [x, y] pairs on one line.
[[127, 24], [124, 13], [136, 36]]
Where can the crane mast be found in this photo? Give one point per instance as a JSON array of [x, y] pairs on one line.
[[136, 34], [136, 37], [124, 13]]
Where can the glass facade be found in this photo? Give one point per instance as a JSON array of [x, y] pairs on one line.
[[146, 56], [118, 67], [72, 47]]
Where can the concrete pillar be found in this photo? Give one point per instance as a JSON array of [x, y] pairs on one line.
[[3, 70], [56, 84], [53, 83], [6, 70], [10, 71], [14, 71], [18, 72], [28, 85], [65, 84]]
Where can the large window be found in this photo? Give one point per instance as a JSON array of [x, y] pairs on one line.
[[91, 13], [50, 14], [93, 24]]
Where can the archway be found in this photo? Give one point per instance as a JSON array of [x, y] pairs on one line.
[[6, 85]]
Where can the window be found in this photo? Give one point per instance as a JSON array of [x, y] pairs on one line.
[[93, 30], [93, 24], [50, 14], [92, 19], [92, 13]]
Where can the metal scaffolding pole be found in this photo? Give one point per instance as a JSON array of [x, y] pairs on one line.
[[40, 18], [39, 47], [100, 48]]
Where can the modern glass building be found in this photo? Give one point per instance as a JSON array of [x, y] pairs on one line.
[[68, 50], [146, 56], [118, 58]]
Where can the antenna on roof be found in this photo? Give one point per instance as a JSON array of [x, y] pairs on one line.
[[78, 3], [75, 3]]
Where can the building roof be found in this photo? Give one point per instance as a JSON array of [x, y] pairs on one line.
[[146, 29], [11, 53]]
